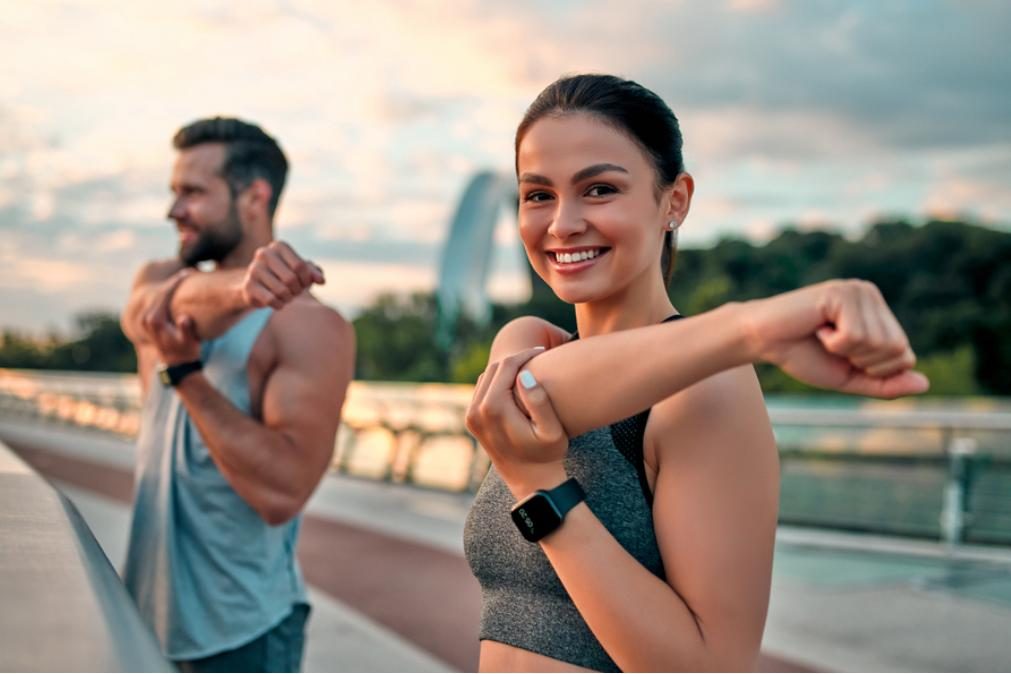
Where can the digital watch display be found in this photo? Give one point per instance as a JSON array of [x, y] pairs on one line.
[[542, 512]]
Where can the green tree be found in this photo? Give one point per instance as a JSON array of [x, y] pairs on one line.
[[98, 345], [395, 339]]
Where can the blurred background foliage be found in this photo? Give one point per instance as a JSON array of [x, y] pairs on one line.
[[948, 282]]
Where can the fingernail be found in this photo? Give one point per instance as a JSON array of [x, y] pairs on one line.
[[538, 348], [527, 380]]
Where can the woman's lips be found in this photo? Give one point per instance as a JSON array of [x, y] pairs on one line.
[[575, 265]]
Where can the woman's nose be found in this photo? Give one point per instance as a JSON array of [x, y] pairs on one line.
[[568, 222]]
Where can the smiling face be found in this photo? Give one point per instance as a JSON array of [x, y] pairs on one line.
[[203, 209], [590, 218]]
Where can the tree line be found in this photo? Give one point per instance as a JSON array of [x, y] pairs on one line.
[[949, 283]]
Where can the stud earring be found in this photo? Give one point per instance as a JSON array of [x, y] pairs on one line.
[[672, 225]]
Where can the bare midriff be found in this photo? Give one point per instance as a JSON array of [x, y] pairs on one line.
[[499, 657]]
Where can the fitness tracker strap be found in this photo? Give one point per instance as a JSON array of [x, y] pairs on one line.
[[543, 511], [172, 375]]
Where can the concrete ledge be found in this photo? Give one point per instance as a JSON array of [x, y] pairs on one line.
[[63, 606]]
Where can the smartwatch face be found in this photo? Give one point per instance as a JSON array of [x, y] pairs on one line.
[[536, 517]]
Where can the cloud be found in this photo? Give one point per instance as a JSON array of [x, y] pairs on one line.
[[351, 285], [386, 110]]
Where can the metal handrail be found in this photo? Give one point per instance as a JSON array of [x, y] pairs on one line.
[[412, 416], [64, 607], [903, 419]]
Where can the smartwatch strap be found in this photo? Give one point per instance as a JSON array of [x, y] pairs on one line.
[[174, 374], [567, 495]]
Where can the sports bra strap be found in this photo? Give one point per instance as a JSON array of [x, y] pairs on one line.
[[629, 434]]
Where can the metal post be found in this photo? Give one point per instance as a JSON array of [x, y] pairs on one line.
[[960, 452]]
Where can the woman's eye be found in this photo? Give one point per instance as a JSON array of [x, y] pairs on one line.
[[536, 196], [600, 191]]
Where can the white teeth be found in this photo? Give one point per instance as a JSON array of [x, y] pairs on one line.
[[568, 258]]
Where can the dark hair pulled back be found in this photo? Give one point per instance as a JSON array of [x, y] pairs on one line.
[[630, 108]]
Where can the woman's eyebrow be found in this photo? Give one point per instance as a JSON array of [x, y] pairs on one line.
[[579, 176], [595, 170], [537, 179]]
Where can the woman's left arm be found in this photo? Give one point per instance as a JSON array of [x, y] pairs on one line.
[[716, 495], [715, 507]]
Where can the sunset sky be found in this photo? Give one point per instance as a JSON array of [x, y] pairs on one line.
[[810, 113]]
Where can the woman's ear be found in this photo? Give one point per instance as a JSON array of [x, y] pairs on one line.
[[680, 198]]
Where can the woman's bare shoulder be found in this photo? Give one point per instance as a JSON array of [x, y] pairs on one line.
[[711, 416]]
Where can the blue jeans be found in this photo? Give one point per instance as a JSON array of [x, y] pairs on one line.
[[278, 650]]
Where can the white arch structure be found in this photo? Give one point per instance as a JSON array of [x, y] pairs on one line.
[[467, 255]]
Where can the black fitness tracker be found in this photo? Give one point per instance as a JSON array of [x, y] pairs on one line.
[[172, 375], [542, 512]]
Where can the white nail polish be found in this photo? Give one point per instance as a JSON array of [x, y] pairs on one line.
[[527, 379]]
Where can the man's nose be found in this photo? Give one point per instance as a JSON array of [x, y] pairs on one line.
[[176, 210]]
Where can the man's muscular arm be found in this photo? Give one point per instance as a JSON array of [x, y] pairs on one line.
[[149, 284], [153, 281], [273, 464], [216, 299]]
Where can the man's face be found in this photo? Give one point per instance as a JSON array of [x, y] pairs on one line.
[[203, 209]]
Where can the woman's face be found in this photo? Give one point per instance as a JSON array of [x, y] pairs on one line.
[[589, 217]]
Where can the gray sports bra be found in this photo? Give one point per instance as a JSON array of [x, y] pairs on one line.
[[523, 602]]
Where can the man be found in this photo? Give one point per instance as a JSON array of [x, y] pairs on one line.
[[243, 374]]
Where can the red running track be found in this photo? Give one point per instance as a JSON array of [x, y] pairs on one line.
[[424, 594]]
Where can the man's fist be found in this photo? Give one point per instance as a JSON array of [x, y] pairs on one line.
[[277, 275]]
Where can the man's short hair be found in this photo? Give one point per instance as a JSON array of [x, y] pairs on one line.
[[249, 153]]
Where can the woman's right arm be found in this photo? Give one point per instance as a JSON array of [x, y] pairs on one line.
[[523, 333], [837, 335]]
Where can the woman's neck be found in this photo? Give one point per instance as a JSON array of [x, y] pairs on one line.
[[636, 306]]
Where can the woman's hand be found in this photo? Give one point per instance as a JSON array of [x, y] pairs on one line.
[[512, 417], [837, 335]]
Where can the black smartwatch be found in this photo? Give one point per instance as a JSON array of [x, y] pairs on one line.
[[542, 512], [172, 375]]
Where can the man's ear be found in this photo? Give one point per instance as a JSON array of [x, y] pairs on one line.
[[257, 196]]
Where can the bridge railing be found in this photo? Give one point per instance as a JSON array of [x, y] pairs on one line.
[[924, 470], [929, 472], [64, 607]]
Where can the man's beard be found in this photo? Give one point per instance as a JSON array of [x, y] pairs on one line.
[[213, 244]]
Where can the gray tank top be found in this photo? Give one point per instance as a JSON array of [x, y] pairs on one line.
[[523, 602]]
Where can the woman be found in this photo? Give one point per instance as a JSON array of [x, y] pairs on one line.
[[638, 452]]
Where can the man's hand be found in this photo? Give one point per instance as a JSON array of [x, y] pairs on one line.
[[176, 342], [277, 275]]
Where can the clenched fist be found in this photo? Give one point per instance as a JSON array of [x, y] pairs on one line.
[[277, 275]]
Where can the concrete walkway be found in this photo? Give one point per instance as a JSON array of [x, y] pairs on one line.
[[391, 590]]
